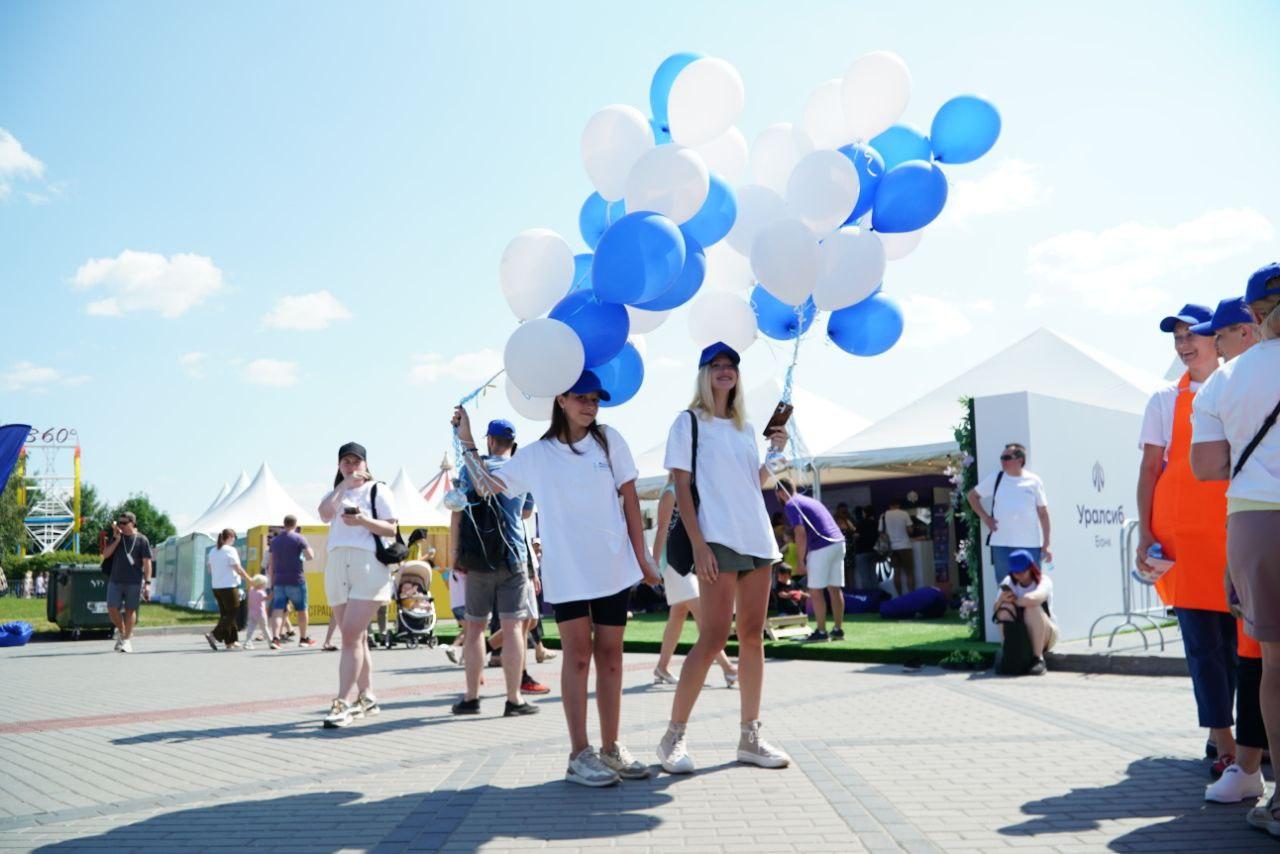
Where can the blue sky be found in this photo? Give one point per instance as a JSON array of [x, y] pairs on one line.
[[384, 154]]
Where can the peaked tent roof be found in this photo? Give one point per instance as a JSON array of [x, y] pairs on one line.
[[1044, 362], [411, 507], [237, 488], [213, 505], [262, 502]]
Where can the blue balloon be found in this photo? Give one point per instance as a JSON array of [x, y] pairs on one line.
[[581, 272], [686, 284], [660, 88], [716, 216], [910, 196], [869, 165], [964, 129], [638, 259], [901, 143], [867, 328], [596, 216], [603, 327], [622, 375], [661, 133], [779, 320]]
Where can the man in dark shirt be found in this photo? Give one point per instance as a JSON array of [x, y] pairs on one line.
[[288, 581], [130, 580]]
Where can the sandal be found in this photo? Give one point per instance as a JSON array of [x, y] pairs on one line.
[[1266, 817], [730, 679], [329, 648]]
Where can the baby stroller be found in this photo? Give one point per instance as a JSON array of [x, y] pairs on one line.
[[415, 607]]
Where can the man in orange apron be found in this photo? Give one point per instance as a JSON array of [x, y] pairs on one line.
[[1185, 517]]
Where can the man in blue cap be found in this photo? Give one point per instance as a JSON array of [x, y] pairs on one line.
[[1232, 328]]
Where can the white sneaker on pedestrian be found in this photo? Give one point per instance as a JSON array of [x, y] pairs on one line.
[[119, 640], [663, 677], [755, 750], [368, 705], [453, 654], [126, 645], [673, 752], [620, 760], [587, 769], [1236, 785], [248, 645], [339, 715]]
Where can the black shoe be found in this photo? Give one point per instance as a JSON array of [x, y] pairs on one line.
[[517, 709], [495, 660], [1037, 668], [467, 707], [837, 634], [816, 636]]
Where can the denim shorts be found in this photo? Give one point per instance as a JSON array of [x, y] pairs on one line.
[[283, 594], [123, 596]]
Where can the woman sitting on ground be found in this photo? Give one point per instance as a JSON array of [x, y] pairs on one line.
[[1025, 596]]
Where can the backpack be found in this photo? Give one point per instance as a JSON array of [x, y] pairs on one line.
[[482, 546], [1014, 656]]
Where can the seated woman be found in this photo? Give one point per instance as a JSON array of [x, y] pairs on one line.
[[1025, 597]]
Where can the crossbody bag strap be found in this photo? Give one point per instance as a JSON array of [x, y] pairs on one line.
[[1267, 424], [994, 490], [693, 475]]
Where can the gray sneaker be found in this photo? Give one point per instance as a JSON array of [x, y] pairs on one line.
[[368, 704], [623, 763], [755, 750], [587, 769], [673, 752], [339, 715]]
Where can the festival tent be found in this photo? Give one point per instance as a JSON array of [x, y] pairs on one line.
[[434, 490], [918, 438], [262, 502], [412, 507], [226, 494]]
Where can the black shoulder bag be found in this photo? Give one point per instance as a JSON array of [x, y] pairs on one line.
[[679, 546], [999, 477], [1267, 424], [394, 553]]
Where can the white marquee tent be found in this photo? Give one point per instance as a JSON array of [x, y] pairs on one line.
[[412, 508], [263, 502]]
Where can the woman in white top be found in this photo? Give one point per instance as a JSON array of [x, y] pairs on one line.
[[682, 596], [1235, 412], [355, 583], [593, 553], [733, 549], [225, 573], [1026, 595]]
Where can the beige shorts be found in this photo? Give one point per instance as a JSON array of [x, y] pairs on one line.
[[1254, 561], [353, 573]]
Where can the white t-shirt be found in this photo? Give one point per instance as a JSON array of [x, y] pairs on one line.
[[732, 511], [1232, 406], [897, 524], [1157, 421], [342, 535], [1046, 584], [1015, 508], [586, 551], [222, 563]]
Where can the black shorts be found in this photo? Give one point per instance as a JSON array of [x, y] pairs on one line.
[[608, 610]]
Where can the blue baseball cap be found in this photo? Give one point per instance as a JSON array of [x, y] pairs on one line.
[[1264, 282], [588, 383], [710, 353], [501, 428], [1021, 561], [1190, 314], [1228, 313]]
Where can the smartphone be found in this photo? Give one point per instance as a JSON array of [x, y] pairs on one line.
[[781, 415], [349, 510]]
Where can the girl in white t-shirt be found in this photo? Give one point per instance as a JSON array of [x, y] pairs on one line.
[[593, 553], [225, 573], [733, 548], [1027, 595]]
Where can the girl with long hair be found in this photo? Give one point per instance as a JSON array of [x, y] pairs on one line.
[[225, 573], [1026, 596]]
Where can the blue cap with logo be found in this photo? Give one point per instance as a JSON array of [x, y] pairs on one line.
[[1228, 313], [1021, 561], [1264, 282], [1190, 314], [501, 428], [710, 353], [588, 383]]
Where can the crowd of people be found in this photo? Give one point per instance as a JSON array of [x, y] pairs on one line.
[[32, 585]]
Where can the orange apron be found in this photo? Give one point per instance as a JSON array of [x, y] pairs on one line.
[[1189, 521]]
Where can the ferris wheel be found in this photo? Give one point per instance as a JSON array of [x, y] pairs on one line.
[[49, 468]]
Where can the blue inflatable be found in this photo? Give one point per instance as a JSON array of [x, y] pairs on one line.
[[870, 168], [910, 196], [596, 216], [926, 603], [901, 143], [602, 326], [637, 259], [581, 272], [16, 633], [660, 88], [687, 283], [964, 129], [779, 320], [621, 376], [866, 328], [716, 216]]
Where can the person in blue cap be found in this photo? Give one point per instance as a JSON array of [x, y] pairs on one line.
[[1026, 595], [593, 553], [1232, 328]]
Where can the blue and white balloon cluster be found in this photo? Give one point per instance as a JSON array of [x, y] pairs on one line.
[[830, 202]]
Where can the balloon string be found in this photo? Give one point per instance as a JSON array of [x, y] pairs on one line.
[[795, 356]]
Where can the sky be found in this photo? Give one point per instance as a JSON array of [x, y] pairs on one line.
[[240, 232]]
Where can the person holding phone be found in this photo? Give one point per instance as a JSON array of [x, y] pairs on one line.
[[733, 548], [130, 581]]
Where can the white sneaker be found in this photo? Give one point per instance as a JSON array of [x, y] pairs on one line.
[[248, 645], [368, 705], [119, 640], [126, 645], [663, 677], [620, 760], [339, 715], [756, 751], [453, 654], [1236, 785], [587, 769], [673, 752]]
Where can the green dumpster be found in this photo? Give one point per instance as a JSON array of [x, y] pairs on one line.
[[79, 599]]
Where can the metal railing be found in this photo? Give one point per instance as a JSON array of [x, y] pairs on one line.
[[1138, 598]]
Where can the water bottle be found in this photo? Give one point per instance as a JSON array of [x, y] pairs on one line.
[[775, 461]]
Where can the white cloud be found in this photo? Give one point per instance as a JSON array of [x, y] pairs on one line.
[[148, 281], [1119, 270], [931, 322], [15, 163], [22, 376], [306, 312], [271, 372], [430, 368], [192, 364], [1014, 185]]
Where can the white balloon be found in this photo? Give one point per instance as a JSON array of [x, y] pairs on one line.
[[536, 272], [718, 316], [758, 207], [643, 322], [727, 270], [876, 90], [899, 245], [613, 140], [822, 191], [785, 260], [726, 155], [706, 99], [776, 152], [670, 180], [533, 408], [852, 266], [824, 119], [543, 357]]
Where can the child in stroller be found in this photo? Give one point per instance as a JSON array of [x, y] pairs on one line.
[[415, 607]]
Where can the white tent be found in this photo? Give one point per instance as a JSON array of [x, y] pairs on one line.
[[262, 502], [916, 438], [817, 423], [237, 488], [227, 493], [411, 507]]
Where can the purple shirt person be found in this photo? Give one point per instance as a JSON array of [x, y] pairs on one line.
[[820, 550], [285, 571]]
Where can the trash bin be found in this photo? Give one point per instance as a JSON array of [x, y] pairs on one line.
[[78, 599]]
